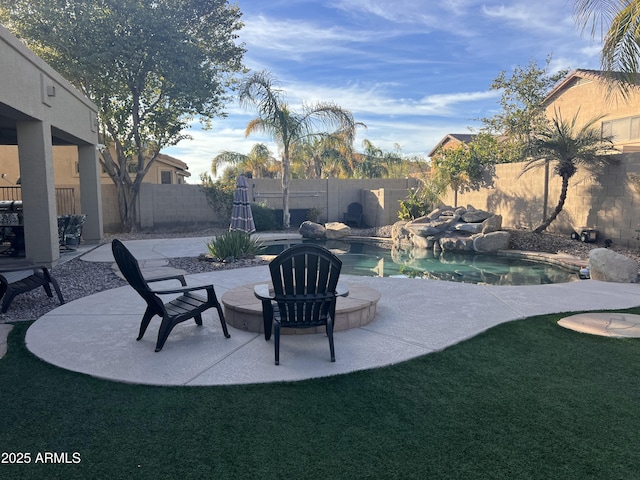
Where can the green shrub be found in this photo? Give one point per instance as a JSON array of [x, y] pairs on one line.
[[263, 217], [421, 201], [220, 199], [234, 245], [314, 214]]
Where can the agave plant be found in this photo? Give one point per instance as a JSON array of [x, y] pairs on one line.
[[234, 245]]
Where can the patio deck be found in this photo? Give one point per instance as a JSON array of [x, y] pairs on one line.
[[95, 335]]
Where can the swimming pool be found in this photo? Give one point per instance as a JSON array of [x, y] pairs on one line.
[[367, 259]]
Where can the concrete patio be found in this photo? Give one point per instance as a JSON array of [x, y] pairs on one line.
[[95, 335]]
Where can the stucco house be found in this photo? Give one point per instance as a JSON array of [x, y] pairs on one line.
[[586, 93], [165, 170], [39, 109], [451, 140]]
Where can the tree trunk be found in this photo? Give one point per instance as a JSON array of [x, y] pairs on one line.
[[563, 196], [286, 218], [127, 205]]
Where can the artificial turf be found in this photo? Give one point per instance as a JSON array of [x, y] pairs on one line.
[[525, 400]]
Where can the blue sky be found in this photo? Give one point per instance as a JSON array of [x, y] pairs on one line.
[[411, 70]]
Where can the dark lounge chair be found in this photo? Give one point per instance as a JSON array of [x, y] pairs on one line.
[[354, 216], [187, 305], [305, 287]]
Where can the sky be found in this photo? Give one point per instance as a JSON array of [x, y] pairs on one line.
[[412, 71]]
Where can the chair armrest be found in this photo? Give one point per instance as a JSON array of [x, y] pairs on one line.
[[342, 290], [180, 278], [184, 289], [262, 292]]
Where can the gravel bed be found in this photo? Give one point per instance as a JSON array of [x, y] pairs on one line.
[[78, 278]]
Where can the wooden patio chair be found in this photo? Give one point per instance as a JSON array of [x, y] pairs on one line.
[[305, 287], [187, 305], [353, 215]]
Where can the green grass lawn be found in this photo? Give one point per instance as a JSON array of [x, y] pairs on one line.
[[526, 400]]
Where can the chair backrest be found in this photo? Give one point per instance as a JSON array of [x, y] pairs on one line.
[[130, 269], [304, 280], [354, 209]]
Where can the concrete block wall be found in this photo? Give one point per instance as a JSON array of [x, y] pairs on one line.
[[172, 207], [332, 196], [609, 203]]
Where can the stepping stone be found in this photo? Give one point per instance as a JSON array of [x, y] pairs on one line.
[[611, 324]]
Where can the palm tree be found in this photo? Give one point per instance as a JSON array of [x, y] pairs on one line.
[[287, 127], [621, 48], [376, 163], [259, 161], [325, 155], [567, 148]]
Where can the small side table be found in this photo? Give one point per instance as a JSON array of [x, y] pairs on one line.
[[40, 277]]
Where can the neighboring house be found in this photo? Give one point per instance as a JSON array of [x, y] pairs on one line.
[[586, 93], [165, 170], [451, 140]]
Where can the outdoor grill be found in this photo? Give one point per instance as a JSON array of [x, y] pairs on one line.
[[10, 213], [11, 228]]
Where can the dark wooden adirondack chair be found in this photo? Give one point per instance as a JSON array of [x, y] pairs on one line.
[[305, 286], [354, 216], [187, 305]]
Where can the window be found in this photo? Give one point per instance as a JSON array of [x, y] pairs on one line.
[[165, 177], [622, 129], [132, 167]]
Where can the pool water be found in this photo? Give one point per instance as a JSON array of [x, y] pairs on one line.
[[366, 259]]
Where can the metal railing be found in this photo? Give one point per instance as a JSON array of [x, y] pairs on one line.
[[65, 198], [10, 193]]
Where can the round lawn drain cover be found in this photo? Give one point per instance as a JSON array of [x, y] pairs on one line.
[[623, 325]]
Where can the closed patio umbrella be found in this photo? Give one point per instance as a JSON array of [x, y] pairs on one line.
[[241, 216]]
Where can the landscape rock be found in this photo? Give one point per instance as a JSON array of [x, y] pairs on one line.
[[399, 234], [492, 224], [312, 230], [452, 229], [336, 230], [491, 242], [456, 244], [469, 227], [427, 229], [608, 266], [423, 242], [475, 216]]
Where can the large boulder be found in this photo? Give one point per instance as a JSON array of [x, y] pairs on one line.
[[475, 216], [609, 266], [492, 224], [336, 230], [312, 230], [456, 244], [399, 234], [469, 227], [491, 242], [432, 228]]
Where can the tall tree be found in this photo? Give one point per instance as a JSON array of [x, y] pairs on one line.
[[286, 127], [258, 161], [566, 147], [522, 111], [150, 67], [617, 23], [465, 167], [324, 156], [376, 163]]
